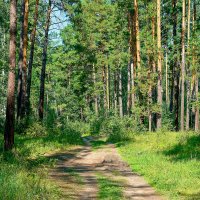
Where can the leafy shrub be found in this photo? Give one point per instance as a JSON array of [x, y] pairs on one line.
[[115, 129], [71, 133], [36, 129], [95, 125]]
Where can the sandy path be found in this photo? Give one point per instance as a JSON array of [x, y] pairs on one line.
[[76, 170]]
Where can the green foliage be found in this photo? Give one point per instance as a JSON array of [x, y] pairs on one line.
[[95, 124], [168, 161], [36, 129], [115, 129]]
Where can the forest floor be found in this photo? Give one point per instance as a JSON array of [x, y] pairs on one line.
[[96, 171]]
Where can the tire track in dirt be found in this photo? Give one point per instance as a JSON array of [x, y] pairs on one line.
[[76, 170]]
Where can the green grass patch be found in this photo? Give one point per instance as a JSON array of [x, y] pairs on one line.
[[109, 189], [23, 171], [168, 161]]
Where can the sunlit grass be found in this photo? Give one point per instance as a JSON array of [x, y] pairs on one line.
[[168, 161], [23, 171]]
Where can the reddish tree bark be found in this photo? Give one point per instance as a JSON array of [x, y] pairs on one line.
[[10, 109]]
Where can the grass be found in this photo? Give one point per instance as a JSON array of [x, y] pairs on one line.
[[23, 171], [109, 189], [168, 161]]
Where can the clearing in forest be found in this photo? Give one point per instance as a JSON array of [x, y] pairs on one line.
[[96, 171]]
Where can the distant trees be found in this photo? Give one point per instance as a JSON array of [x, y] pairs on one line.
[[108, 61]]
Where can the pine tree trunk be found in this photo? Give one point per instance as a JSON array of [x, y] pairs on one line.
[[24, 68], [150, 96], [132, 44], [175, 72], [10, 109], [30, 66], [20, 64], [183, 67], [197, 106], [104, 88], [115, 92], [173, 79], [167, 85], [153, 57], [44, 61], [129, 84], [188, 75], [95, 96], [120, 94], [137, 35], [129, 89], [23, 61], [132, 86], [107, 87], [196, 76], [159, 67]]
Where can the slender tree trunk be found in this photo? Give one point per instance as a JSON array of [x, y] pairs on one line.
[[129, 84], [24, 68], [95, 96], [150, 96], [33, 34], [167, 85], [175, 72], [20, 64], [44, 61], [196, 75], [197, 106], [10, 109], [154, 89], [104, 88], [120, 93], [132, 44], [159, 66], [171, 107], [137, 35], [129, 89], [132, 86], [115, 92], [188, 74], [23, 60], [183, 67], [107, 88]]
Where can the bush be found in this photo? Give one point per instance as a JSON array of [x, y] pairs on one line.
[[95, 125], [71, 133], [115, 128], [36, 129]]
